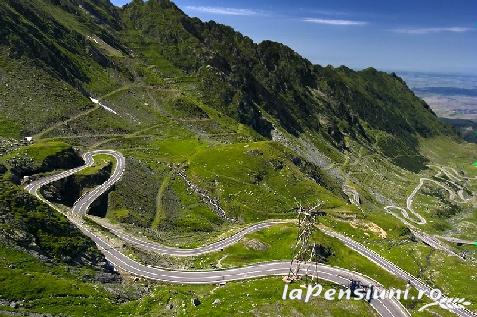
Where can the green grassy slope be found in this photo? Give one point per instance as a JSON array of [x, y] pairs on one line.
[[204, 99], [100, 49], [241, 79]]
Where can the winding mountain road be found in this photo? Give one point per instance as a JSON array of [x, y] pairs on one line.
[[82, 205], [385, 307], [149, 246], [453, 178], [389, 266], [447, 177]]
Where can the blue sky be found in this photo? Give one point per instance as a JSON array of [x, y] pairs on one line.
[[411, 35]]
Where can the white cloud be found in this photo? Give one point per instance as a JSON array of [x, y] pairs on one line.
[[223, 11], [454, 29], [326, 12], [334, 21]]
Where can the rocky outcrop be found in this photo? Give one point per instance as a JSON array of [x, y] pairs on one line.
[[255, 244], [322, 253], [212, 202], [268, 84], [23, 165], [67, 190], [33, 227]]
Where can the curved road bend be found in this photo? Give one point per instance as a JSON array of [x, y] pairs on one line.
[[385, 308], [431, 241], [342, 277], [453, 178], [149, 246], [35, 185], [389, 266], [82, 205]]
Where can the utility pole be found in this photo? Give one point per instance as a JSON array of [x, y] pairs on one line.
[[304, 254]]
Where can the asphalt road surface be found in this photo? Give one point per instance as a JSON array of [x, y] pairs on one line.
[[155, 247], [390, 267], [385, 307]]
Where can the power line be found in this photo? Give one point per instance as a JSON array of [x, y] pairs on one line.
[[303, 252]]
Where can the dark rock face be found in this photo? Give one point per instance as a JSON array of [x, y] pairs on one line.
[[259, 85], [33, 227], [317, 175], [67, 190], [407, 233], [65, 159], [107, 277], [31, 33], [249, 81], [99, 208], [322, 252]]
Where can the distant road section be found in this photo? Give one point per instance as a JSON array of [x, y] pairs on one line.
[[343, 277]]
